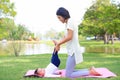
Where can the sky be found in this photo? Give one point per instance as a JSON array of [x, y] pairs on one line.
[[39, 16]]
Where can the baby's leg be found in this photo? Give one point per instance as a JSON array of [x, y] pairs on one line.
[[55, 59]]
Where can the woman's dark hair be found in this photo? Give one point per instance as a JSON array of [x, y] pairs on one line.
[[63, 12]]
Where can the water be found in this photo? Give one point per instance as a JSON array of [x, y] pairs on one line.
[[30, 49], [40, 49], [43, 48]]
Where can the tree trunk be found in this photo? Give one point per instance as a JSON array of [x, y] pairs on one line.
[[119, 36], [16, 54], [112, 39], [105, 38], [15, 48], [95, 37], [108, 38]]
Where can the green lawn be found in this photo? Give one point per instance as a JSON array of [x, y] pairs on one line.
[[99, 43], [13, 68]]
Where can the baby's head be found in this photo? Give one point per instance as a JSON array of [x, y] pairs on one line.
[[40, 72]]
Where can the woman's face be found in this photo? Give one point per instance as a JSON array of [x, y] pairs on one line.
[[61, 18]]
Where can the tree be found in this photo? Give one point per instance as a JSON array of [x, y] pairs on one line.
[[7, 14], [6, 25], [101, 19], [17, 34], [12, 32], [7, 9]]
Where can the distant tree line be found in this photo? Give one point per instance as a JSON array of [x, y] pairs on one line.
[[53, 34]]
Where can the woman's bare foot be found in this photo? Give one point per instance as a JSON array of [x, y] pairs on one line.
[[94, 72]]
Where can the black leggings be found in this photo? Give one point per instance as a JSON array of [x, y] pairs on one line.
[[55, 59]]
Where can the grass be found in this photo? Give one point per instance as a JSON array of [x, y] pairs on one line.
[[95, 43], [13, 68]]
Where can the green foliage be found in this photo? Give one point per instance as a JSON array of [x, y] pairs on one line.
[[9, 30], [6, 25], [101, 18], [19, 33], [7, 12], [7, 8]]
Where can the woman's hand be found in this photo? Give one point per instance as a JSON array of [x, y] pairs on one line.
[[57, 47]]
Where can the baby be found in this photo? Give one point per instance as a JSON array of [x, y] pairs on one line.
[[50, 70]]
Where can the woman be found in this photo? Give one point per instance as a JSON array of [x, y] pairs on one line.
[[72, 46]]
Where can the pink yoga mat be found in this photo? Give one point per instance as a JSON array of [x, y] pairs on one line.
[[105, 73], [30, 73]]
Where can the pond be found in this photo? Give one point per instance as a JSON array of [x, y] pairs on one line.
[[28, 48], [40, 48]]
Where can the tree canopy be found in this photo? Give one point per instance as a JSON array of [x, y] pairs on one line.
[[101, 19], [8, 28], [7, 8]]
